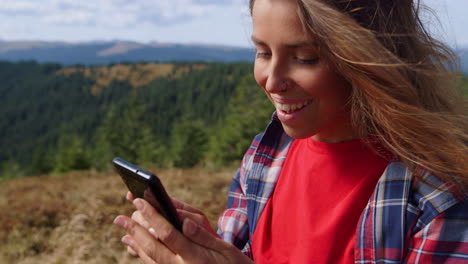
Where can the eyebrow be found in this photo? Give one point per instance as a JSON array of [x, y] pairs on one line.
[[288, 45]]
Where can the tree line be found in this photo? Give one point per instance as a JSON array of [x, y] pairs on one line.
[[202, 114], [52, 122]]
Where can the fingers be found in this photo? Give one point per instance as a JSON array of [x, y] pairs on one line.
[[229, 253], [183, 206], [130, 197], [142, 255], [197, 218], [138, 217], [165, 232], [166, 245], [203, 237], [131, 252], [183, 210], [146, 246]]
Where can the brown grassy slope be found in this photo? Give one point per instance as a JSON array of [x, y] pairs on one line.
[[136, 74], [68, 218]]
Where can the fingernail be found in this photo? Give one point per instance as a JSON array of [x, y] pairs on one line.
[[120, 221], [190, 228], [127, 240], [139, 204]]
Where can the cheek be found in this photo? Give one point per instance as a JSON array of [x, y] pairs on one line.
[[335, 96], [259, 75], [324, 84], [340, 88], [314, 84]]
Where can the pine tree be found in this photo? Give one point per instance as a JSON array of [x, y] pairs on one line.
[[189, 142], [249, 110], [70, 154]]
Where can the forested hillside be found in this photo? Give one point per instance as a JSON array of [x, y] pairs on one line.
[[56, 119]]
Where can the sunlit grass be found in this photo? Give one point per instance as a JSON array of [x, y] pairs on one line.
[[135, 74], [68, 218]]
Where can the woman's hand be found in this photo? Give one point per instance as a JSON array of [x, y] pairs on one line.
[[183, 210], [155, 240]]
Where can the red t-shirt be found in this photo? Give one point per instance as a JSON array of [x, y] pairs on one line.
[[315, 207]]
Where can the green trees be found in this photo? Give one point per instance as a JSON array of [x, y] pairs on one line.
[[188, 143], [39, 106], [42, 160], [70, 154], [125, 132], [10, 169], [199, 114], [248, 112]]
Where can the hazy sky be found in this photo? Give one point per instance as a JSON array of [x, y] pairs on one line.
[[183, 21]]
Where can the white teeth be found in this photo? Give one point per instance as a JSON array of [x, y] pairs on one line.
[[291, 107]]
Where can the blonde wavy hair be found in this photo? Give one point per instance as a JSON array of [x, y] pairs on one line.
[[403, 81]]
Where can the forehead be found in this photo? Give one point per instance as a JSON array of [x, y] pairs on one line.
[[278, 18]]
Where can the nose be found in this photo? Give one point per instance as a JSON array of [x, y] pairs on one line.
[[276, 76]]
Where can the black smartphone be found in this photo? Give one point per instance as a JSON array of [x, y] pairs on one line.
[[145, 185]]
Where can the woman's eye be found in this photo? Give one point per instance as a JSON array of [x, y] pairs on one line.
[[307, 61], [263, 54]]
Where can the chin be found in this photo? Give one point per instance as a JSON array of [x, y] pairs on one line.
[[298, 133]]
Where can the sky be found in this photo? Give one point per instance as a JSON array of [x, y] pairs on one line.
[[223, 22]]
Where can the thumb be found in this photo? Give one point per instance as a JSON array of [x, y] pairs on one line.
[[203, 237], [228, 252]]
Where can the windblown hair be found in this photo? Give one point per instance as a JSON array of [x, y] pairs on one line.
[[403, 81]]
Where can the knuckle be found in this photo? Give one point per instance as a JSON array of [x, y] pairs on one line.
[[167, 235], [200, 218], [150, 250], [131, 226]]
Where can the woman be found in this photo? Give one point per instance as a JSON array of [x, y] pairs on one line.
[[365, 159]]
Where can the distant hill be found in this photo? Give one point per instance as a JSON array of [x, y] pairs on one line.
[[105, 52], [92, 53]]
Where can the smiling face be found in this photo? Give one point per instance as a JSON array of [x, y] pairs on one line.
[[309, 96]]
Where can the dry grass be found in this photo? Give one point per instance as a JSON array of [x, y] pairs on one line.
[[68, 218], [136, 74]]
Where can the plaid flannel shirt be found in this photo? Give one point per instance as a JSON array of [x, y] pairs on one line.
[[405, 220]]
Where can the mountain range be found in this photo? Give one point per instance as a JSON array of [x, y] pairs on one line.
[[105, 52]]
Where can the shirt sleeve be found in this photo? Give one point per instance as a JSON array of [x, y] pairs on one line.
[[443, 240], [233, 224]]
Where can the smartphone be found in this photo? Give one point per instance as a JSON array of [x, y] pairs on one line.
[[145, 185]]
